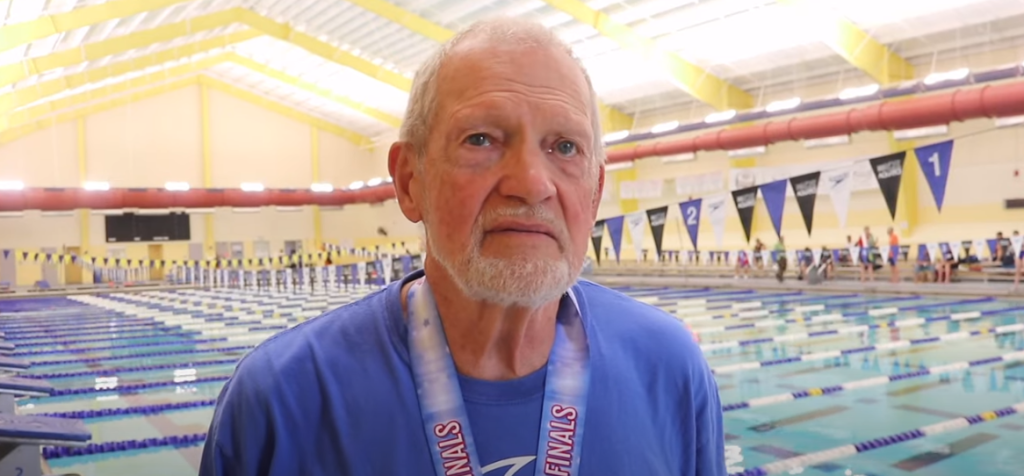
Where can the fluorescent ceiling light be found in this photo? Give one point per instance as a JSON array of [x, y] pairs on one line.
[[358, 184], [614, 136], [108, 212], [955, 75], [288, 209], [783, 105], [747, 152], [96, 186], [618, 166], [858, 92], [720, 116], [11, 185], [252, 187], [322, 187], [60, 213], [826, 141], [12, 214], [176, 186], [664, 127], [1009, 121], [917, 133], [246, 209], [199, 211], [688, 156], [374, 182], [153, 211], [388, 179]]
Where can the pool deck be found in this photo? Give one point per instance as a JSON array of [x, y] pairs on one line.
[[1003, 290]]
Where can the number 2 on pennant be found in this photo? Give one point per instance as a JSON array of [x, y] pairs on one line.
[[691, 216], [934, 160]]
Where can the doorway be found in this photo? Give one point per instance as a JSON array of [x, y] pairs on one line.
[[50, 274], [156, 253], [73, 271]]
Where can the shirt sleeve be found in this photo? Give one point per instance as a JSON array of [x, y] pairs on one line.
[[710, 436], [240, 439]]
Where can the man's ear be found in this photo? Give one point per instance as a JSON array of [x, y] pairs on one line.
[[600, 191], [402, 167]]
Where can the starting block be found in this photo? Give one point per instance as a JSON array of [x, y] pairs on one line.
[[6, 348], [12, 365]]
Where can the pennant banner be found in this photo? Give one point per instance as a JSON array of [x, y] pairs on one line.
[[615, 234], [596, 236], [745, 199], [935, 160], [889, 174], [635, 222], [774, 194], [7, 254], [691, 218], [1018, 243], [656, 218], [716, 215], [839, 184], [805, 187]]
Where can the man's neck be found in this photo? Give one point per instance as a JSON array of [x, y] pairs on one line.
[[488, 341]]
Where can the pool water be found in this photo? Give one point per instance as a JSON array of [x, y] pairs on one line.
[[797, 373]]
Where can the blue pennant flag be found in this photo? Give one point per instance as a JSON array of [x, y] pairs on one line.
[[935, 160], [7, 254], [774, 194], [691, 217], [614, 225]]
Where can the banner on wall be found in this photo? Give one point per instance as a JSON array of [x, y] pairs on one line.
[[641, 189], [614, 225], [745, 200], [889, 174], [934, 253], [596, 237], [774, 195], [700, 184], [978, 247], [805, 187], [691, 218], [716, 215], [935, 160], [839, 184], [7, 254], [635, 222], [657, 217], [956, 247]]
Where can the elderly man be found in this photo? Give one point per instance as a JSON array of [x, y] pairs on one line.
[[496, 360]]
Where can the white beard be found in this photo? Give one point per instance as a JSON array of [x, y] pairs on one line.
[[525, 281]]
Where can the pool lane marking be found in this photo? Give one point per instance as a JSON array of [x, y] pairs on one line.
[[748, 314], [872, 382], [845, 451]]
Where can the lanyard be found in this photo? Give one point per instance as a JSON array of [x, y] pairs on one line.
[[444, 412]]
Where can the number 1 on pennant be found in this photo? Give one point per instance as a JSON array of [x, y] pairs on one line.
[[934, 160]]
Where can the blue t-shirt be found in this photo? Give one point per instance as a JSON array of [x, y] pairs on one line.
[[335, 396]]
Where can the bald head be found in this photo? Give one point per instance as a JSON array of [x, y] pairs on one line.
[[489, 37]]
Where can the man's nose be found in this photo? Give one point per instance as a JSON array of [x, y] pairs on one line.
[[526, 174]]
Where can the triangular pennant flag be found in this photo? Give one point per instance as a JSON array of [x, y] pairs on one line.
[[935, 160], [74, 258], [656, 218], [35, 257], [596, 237], [7, 254], [635, 222], [691, 218], [24, 255], [745, 200], [715, 210], [993, 247], [774, 195], [805, 187], [614, 225], [1018, 243], [60, 259], [889, 174], [839, 184]]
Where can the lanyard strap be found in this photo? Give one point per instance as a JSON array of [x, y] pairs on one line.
[[444, 413]]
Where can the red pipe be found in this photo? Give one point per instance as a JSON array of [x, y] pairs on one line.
[[996, 100]]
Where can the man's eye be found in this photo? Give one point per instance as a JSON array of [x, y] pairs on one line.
[[566, 148], [478, 140]]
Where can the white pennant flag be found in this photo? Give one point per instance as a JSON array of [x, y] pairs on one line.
[[1018, 243], [979, 247], [839, 184], [817, 255], [714, 209], [635, 223], [956, 247], [933, 252], [854, 254]]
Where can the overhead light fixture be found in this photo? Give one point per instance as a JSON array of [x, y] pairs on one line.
[[615, 136], [153, 211], [287, 209], [358, 184], [374, 182], [388, 179], [252, 187], [96, 186], [685, 157], [618, 166], [176, 186], [747, 152], [11, 185], [783, 105], [920, 132], [955, 75], [1009, 121], [859, 92], [664, 127], [322, 187], [720, 116], [826, 141], [245, 209]]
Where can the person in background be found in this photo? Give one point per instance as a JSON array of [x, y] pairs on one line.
[[742, 264], [1020, 265], [806, 262], [1004, 253], [868, 251], [758, 253], [780, 259], [894, 256], [947, 264], [828, 265], [925, 269], [496, 355], [848, 259]]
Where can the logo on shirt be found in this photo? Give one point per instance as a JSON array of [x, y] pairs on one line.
[[513, 465]]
